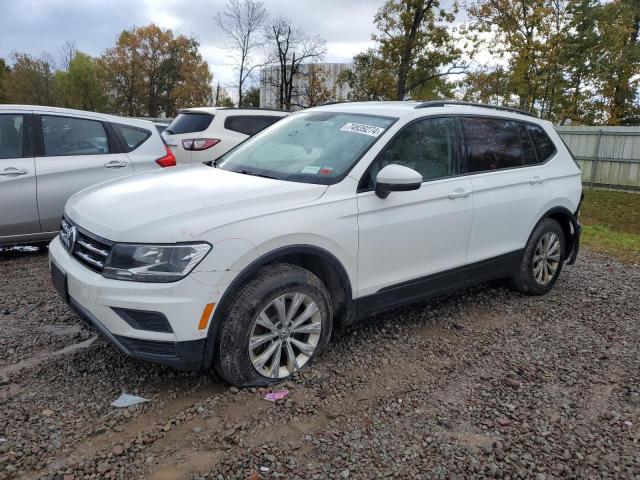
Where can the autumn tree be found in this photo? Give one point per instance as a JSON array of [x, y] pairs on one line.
[[289, 49], [31, 80], [415, 53], [152, 71], [314, 86], [242, 21], [619, 61]]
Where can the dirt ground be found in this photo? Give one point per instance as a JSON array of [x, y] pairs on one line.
[[487, 383]]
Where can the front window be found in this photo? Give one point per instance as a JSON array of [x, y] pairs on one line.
[[311, 147]]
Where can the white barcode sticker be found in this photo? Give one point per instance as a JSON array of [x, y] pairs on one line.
[[370, 130]]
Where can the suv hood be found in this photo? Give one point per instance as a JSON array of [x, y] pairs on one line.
[[180, 203]]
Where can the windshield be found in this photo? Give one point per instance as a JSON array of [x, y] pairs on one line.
[[311, 147]]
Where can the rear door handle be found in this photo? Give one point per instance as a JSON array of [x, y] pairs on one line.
[[115, 164], [459, 193], [14, 171], [535, 180]]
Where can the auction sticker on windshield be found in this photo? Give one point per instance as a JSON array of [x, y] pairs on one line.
[[362, 128]]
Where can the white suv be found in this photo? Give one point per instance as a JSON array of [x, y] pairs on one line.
[[199, 135], [331, 215]]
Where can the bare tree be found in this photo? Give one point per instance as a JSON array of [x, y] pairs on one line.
[[242, 21], [67, 52], [290, 48]]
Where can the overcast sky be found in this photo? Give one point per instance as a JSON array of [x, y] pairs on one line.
[[38, 26]]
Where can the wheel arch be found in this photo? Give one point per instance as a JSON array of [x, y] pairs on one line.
[[570, 227], [317, 260]]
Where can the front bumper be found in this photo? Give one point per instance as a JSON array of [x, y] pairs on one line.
[[93, 297]]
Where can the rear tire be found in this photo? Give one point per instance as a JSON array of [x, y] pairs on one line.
[[542, 260], [277, 324]]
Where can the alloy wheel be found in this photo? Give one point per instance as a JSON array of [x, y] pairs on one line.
[[546, 258], [285, 335]]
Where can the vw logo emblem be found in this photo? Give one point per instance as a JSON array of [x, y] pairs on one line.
[[70, 238]]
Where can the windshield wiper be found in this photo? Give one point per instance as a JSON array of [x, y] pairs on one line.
[[254, 174]]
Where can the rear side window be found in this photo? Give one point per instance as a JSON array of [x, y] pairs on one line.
[[65, 136], [190, 123], [492, 144], [131, 137], [11, 136], [544, 146], [249, 124]]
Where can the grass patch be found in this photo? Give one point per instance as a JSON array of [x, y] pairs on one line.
[[611, 223]]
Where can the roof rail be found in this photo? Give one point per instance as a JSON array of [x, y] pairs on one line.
[[444, 103], [252, 108]]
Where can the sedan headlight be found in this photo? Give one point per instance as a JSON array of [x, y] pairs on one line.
[[153, 263]]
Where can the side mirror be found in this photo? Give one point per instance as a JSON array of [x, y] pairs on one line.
[[397, 178]]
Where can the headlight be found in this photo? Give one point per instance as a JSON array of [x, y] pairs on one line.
[[153, 263]]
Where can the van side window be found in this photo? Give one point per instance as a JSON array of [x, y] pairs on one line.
[[249, 124], [545, 147], [11, 135], [492, 144], [65, 136]]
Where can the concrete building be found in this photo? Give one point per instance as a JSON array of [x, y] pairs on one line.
[[270, 79]]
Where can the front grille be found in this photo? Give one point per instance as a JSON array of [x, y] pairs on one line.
[[89, 249]]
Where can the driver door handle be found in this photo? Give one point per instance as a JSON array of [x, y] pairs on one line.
[[14, 171], [115, 164], [459, 193]]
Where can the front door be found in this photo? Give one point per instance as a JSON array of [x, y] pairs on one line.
[[18, 207], [412, 235], [76, 153]]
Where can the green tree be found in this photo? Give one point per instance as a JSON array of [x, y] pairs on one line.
[[415, 53], [81, 85], [252, 97], [5, 71]]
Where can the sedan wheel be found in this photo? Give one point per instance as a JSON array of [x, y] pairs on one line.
[[284, 335]]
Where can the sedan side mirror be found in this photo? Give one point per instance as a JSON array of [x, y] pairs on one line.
[[397, 178]]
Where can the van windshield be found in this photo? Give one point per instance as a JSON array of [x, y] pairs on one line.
[[310, 147]]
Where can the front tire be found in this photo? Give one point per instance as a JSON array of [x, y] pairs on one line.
[[278, 323], [542, 260]]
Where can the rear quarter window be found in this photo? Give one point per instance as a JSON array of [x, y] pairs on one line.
[[131, 137], [190, 123], [543, 144], [249, 124]]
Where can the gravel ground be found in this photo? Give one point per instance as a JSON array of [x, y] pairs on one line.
[[484, 383]]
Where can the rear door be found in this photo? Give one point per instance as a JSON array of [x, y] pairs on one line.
[[508, 185], [73, 153], [18, 207]]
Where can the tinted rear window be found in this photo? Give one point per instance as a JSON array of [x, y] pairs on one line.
[[249, 124], [543, 143], [492, 144], [190, 122]]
